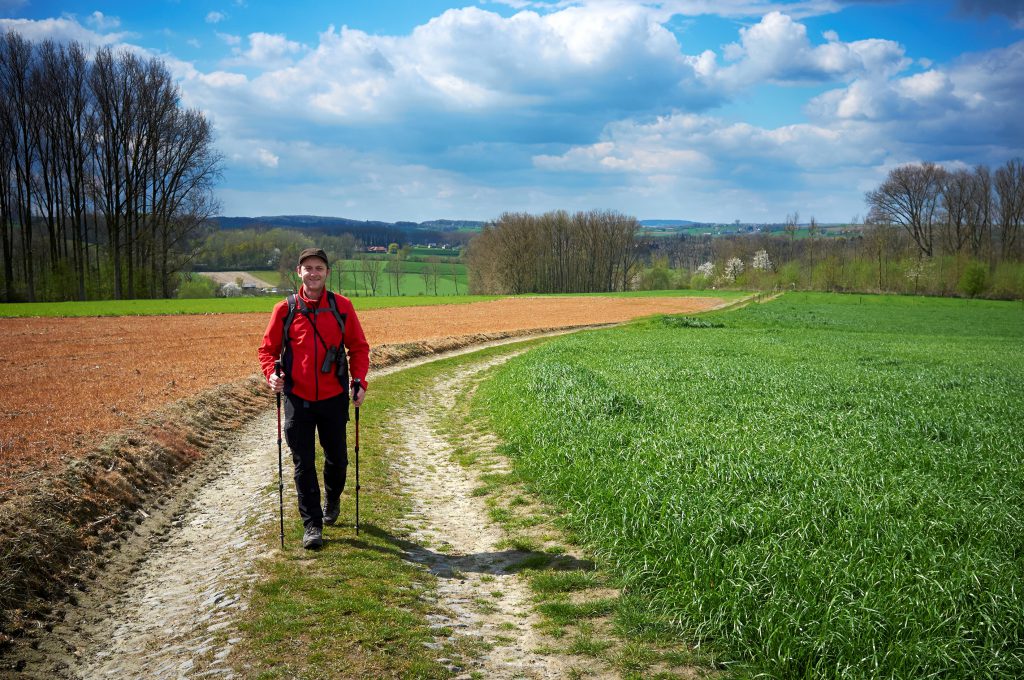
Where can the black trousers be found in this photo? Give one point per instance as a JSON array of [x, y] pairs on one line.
[[327, 417]]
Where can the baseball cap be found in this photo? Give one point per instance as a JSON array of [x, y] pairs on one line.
[[314, 252]]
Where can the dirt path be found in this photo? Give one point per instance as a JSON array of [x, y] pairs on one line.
[[477, 587], [166, 604], [232, 277]]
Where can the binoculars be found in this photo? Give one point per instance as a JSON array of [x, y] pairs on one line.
[[335, 355], [329, 358]]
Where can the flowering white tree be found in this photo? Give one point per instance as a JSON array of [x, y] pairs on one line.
[[733, 268], [231, 289], [761, 262], [707, 270], [922, 268]]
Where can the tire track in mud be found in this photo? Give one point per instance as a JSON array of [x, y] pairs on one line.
[[166, 604]]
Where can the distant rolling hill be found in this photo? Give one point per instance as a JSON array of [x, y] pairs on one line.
[[340, 224], [333, 224], [670, 223], [370, 232], [375, 232]]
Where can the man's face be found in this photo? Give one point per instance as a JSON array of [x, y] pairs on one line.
[[313, 271]]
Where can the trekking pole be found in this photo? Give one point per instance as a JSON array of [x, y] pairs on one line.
[[280, 473], [355, 393]]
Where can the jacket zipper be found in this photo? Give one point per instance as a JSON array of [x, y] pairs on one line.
[[316, 360]]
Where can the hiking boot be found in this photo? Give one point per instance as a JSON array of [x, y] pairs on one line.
[[313, 538], [331, 511]]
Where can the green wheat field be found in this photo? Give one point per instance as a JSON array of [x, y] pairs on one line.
[[822, 486]]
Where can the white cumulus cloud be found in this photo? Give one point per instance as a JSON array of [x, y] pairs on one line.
[[266, 158], [101, 22], [975, 98], [266, 51], [229, 39], [64, 29], [778, 49], [690, 144], [575, 62], [215, 17]]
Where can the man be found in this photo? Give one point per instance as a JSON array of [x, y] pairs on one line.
[[311, 336]]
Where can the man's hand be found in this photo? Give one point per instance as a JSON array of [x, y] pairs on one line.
[[276, 382], [358, 394]]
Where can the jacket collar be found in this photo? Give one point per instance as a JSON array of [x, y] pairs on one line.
[[310, 301]]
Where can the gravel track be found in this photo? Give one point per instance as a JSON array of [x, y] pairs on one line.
[[477, 588]]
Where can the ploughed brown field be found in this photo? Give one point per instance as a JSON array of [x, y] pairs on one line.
[[65, 383]]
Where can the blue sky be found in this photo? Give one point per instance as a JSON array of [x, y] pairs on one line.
[[690, 109]]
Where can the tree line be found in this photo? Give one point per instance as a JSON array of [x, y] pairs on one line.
[[266, 248], [585, 252], [107, 178], [953, 212], [929, 230]]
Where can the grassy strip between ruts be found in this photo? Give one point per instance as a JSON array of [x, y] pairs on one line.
[[823, 486], [356, 608]]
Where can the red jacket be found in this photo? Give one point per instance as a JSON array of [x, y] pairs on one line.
[[307, 381]]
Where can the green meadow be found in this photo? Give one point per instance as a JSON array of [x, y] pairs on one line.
[[347, 277], [819, 486]]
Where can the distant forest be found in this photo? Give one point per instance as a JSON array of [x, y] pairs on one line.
[[368, 233]]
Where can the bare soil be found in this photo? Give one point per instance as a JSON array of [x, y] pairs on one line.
[[67, 382]]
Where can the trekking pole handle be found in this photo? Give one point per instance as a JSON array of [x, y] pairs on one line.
[[277, 371], [357, 384]]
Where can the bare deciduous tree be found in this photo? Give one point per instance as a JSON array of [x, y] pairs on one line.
[[16, 61], [371, 273], [957, 189], [909, 197], [980, 211], [554, 253], [104, 141], [1009, 182]]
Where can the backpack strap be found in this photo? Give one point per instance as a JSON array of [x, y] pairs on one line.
[[341, 371], [288, 319], [286, 344], [338, 316]]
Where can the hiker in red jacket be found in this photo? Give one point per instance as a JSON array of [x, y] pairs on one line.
[[311, 333]]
